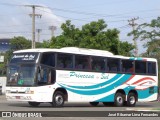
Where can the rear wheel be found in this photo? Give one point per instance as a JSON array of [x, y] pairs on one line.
[[119, 99], [58, 99], [94, 103], [131, 99], [34, 104]]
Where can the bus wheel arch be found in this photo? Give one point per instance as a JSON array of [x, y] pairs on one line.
[[64, 91], [132, 98], [119, 98], [59, 96]]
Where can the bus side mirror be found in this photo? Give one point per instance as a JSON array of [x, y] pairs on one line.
[[40, 71]]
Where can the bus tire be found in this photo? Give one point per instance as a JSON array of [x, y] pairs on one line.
[[119, 99], [131, 99], [58, 99], [34, 104], [94, 103]]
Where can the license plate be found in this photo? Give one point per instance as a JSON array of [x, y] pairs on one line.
[[17, 97]]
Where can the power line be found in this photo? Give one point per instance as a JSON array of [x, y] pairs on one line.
[[123, 27], [14, 32], [102, 15], [87, 13], [122, 20], [9, 4]]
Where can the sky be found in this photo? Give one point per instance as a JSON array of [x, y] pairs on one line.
[[15, 19]]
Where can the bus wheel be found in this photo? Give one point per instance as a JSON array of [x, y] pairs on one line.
[[131, 99], [119, 99], [94, 103], [34, 104], [58, 99]]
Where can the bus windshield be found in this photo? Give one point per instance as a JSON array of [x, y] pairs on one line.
[[23, 75]]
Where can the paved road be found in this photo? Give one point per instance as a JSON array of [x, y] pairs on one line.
[[23, 106]]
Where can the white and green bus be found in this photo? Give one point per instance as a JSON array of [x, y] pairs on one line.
[[73, 74]]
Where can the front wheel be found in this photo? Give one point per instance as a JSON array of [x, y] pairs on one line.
[[58, 99], [119, 100], [131, 99], [34, 104]]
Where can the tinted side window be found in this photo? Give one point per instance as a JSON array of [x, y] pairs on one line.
[[140, 67], [46, 75], [82, 62], [113, 65], [48, 59], [64, 60], [151, 68], [98, 64], [127, 66]]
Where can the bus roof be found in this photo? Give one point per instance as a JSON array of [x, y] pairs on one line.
[[74, 50], [84, 51]]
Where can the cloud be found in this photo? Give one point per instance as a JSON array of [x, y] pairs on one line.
[[15, 20]]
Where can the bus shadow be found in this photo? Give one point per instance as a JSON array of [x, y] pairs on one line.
[[71, 105]]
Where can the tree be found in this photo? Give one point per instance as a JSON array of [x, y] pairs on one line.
[[94, 35], [125, 48], [19, 43], [46, 44], [147, 31]]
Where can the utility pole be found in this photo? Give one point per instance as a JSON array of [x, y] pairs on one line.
[[38, 35], [133, 24], [52, 28], [33, 22]]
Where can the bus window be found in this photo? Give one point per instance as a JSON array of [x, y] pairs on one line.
[[98, 64], [127, 66], [48, 59], [151, 68], [113, 65], [43, 76], [140, 67], [82, 62], [46, 76], [64, 61]]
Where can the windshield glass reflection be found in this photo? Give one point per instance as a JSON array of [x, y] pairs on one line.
[[21, 76]]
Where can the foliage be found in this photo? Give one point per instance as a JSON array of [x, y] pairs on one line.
[[94, 35], [45, 44], [147, 31], [18, 43], [39, 45]]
